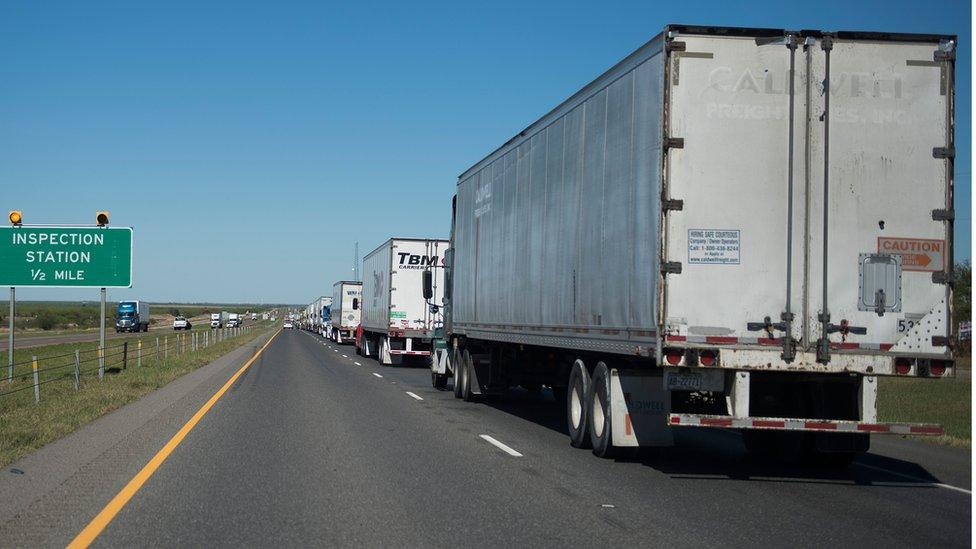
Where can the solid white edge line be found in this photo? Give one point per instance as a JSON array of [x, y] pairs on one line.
[[414, 396], [916, 479], [377, 375], [501, 446]]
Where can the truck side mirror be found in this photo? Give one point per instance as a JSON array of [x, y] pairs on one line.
[[428, 284], [355, 303]]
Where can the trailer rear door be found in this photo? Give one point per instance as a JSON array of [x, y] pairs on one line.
[[728, 112], [888, 186]]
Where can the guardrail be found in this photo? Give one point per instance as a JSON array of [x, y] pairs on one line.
[[91, 361]]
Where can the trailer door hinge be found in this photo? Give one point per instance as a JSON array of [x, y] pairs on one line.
[[942, 277], [943, 215], [675, 45], [674, 143], [671, 267], [673, 204], [944, 152]]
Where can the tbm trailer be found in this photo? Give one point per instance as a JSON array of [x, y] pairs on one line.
[[731, 228], [345, 311], [397, 321]]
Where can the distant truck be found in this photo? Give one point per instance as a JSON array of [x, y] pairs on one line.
[[721, 246], [397, 321], [344, 313], [132, 316], [233, 320], [218, 320]]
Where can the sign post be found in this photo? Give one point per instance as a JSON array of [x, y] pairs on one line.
[[10, 338], [101, 336]]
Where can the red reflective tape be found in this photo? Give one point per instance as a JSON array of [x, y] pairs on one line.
[[874, 427], [819, 425], [768, 423], [721, 340], [768, 341], [718, 422], [845, 345], [627, 429], [676, 338], [675, 419], [886, 346], [926, 429]]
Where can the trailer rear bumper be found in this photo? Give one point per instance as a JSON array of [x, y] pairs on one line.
[[791, 424], [862, 361]]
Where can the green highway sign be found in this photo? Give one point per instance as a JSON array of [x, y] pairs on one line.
[[75, 257]]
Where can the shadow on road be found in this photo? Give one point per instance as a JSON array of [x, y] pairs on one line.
[[720, 455]]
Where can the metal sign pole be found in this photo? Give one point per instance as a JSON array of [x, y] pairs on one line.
[[101, 333], [10, 338]]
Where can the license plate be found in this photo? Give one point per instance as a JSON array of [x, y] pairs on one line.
[[684, 381]]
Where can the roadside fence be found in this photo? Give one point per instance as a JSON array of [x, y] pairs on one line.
[[83, 365]]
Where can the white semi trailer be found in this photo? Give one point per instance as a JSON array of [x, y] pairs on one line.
[[731, 228], [345, 311], [397, 321]]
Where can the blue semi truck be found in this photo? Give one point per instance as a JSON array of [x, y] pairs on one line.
[[132, 316]]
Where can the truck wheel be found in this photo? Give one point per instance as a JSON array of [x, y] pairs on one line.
[[439, 381], [458, 372], [599, 412], [577, 397], [467, 394]]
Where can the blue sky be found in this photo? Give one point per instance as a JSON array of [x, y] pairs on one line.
[[250, 144]]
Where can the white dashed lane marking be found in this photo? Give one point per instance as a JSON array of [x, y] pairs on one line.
[[377, 375], [505, 448], [414, 396]]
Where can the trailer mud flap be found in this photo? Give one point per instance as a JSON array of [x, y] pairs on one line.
[[639, 408]]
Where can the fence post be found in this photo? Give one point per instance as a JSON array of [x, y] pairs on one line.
[[139, 354], [157, 348], [77, 366], [101, 362], [125, 355], [165, 347], [37, 385]]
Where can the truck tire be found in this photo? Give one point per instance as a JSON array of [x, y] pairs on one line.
[[599, 412], [576, 405], [439, 381], [458, 372], [467, 366]]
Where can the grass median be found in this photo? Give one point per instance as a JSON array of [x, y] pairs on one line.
[[26, 425], [947, 402]]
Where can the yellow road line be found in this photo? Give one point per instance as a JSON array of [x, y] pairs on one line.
[[105, 516]]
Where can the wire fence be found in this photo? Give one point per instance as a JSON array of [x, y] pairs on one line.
[[86, 363]]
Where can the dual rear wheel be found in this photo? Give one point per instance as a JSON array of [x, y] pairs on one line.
[[588, 409]]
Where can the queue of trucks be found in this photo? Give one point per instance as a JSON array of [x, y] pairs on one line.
[[731, 228]]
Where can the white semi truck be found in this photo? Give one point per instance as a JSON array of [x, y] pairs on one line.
[[219, 320], [345, 311], [730, 228], [233, 320], [397, 320]]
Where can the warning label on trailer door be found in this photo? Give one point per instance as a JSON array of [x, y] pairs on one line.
[[713, 246], [917, 254]]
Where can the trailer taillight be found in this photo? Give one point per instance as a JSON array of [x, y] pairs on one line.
[[707, 358], [937, 368], [903, 366], [673, 356]]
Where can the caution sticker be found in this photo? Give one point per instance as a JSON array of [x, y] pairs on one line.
[[917, 254]]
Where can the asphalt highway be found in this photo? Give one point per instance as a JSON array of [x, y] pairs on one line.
[[315, 446]]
